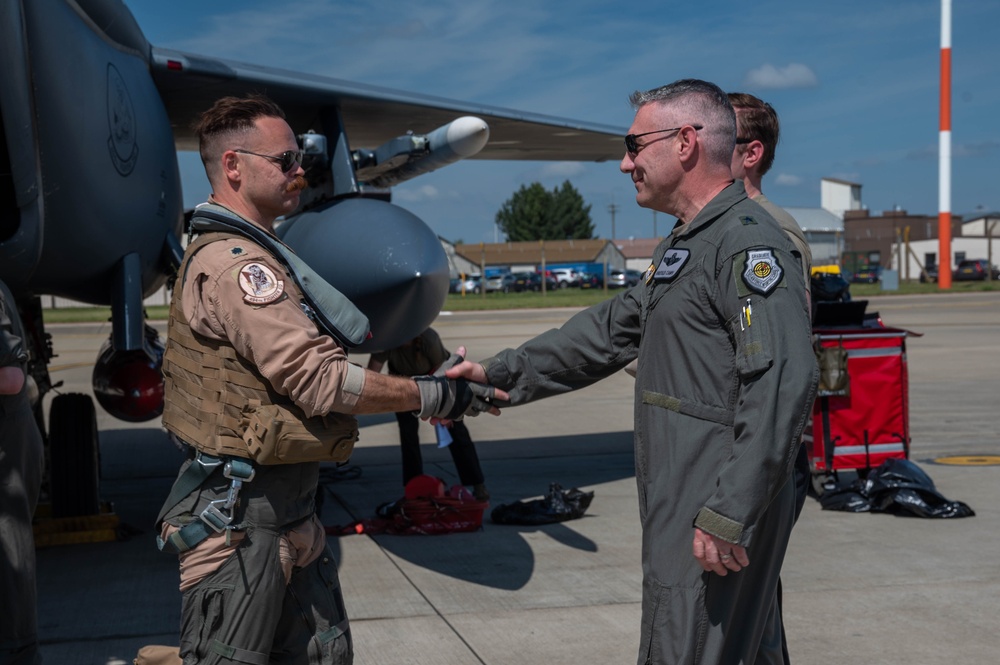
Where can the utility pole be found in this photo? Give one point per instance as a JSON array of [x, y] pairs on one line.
[[612, 209]]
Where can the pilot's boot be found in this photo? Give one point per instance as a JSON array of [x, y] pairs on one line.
[[480, 492]]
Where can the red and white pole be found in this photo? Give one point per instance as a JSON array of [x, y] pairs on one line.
[[944, 153]]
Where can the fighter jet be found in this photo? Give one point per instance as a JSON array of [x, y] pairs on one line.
[[93, 116]]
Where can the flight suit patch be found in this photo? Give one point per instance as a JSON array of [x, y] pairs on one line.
[[746, 220], [763, 272], [671, 263], [236, 251], [647, 276], [259, 284]]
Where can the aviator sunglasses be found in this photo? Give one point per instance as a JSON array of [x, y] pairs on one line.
[[633, 147], [288, 160]]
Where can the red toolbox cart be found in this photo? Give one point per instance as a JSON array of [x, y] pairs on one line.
[[858, 426]]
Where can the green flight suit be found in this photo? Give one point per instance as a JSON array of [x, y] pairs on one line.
[[725, 380]]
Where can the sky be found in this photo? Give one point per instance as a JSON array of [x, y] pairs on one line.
[[855, 83]]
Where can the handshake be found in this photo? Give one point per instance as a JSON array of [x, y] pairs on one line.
[[443, 398]]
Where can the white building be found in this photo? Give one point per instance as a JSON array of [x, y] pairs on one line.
[[980, 239]]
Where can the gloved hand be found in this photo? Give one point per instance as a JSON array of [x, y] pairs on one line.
[[451, 399]]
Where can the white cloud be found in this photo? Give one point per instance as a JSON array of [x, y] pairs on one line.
[[562, 170], [416, 194], [769, 77], [787, 180]]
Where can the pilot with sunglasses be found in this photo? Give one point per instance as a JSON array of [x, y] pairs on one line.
[[258, 390], [724, 382]]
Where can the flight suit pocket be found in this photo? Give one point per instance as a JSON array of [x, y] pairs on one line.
[[750, 331], [315, 614], [674, 624]]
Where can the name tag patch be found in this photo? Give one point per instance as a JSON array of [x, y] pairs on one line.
[[671, 264], [763, 272]]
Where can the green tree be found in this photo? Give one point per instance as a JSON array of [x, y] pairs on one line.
[[534, 213], [570, 216]]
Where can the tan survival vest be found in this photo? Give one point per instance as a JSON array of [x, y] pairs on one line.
[[219, 403]]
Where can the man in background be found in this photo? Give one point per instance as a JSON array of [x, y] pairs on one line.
[[21, 461], [424, 354], [757, 134]]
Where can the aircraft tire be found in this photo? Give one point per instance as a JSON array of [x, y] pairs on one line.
[[73, 456]]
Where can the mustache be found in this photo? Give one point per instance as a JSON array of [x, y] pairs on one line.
[[297, 185]]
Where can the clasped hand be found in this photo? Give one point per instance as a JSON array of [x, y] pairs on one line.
[[455, 390]]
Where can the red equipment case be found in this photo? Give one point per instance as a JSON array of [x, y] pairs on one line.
[[871, 424]]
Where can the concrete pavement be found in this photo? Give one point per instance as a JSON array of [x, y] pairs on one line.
[[858, 587]]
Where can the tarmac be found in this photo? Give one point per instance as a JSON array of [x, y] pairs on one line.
[[868, 588]]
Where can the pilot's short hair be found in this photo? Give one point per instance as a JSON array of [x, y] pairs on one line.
[[698, 102], [757, 120], [229, 116], [235, 113]]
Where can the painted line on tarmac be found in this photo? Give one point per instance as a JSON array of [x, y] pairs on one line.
[[969, 460], [61, 368]]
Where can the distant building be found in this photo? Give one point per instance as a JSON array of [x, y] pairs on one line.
[[638, 252], [839, 196], [530, 255], [824, 231], [982, 224], [979, 239], [873, 240]]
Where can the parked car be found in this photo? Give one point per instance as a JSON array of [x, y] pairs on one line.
[[974, 270], [532, 281], [621, 278], [566, 277], [591, 280], [503, 283], [527, 281], [867, 275], [469, 285]]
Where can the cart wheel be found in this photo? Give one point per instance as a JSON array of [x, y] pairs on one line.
[[819, 484]]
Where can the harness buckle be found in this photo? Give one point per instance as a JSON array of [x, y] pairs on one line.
[[239, 470], [214, 517], [206, 460]]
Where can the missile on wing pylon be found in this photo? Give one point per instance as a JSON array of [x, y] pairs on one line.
[[408, 156]]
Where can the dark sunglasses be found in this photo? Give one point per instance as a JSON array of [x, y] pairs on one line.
[[288, 160], [633, 147]]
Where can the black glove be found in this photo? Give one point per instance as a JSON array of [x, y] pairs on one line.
[[451, 399]]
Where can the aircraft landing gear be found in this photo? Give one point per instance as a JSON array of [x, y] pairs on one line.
[[73, 456]]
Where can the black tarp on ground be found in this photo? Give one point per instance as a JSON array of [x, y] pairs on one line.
[[558, 505], [897, 487]]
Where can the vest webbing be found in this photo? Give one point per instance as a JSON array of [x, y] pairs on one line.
[[211, 392]]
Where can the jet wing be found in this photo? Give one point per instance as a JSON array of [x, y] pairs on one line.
[[371, 115]]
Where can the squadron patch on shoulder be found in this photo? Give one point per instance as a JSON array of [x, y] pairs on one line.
[[763, 272], [236, 251], [671, 263], [259, 283], [747, 220]]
